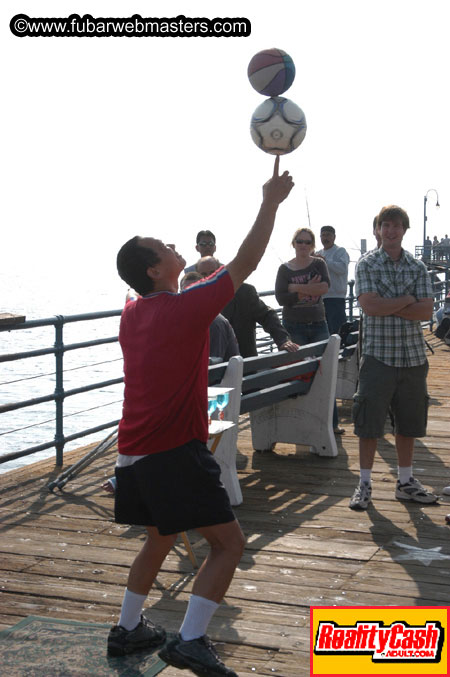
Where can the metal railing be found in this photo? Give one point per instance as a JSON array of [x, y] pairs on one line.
[[60, 393], [439, 254]]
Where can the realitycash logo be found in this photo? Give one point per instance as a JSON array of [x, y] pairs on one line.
[[379, 641], [398, 642]]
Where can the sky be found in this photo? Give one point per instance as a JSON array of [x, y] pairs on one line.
[[105, 138]]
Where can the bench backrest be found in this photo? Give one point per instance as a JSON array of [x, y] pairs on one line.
[[273, 377]]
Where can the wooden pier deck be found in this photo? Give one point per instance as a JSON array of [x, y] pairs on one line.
[[62, 556]]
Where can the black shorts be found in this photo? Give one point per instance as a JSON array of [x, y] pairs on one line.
[[173, 490]]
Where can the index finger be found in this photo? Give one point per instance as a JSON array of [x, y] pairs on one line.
[[276, 166]]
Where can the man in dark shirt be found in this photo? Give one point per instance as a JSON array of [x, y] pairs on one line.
[[245, 310]]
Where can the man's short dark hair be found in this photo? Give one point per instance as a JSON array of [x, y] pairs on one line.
[[392, 212], [328, 229], [132, 262], [205, 233]]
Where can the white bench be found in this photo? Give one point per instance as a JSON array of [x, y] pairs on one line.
[[275, 415], [225, 453], [307, 419]]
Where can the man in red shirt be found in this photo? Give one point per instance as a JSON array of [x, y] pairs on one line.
[[167, 480]]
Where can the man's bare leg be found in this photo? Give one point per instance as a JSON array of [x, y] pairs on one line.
[[149, 560], [367, 449], [227, 545], [133, 632], [405, 450]]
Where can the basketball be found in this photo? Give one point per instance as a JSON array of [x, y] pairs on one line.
[[271, 72], [278, 126]]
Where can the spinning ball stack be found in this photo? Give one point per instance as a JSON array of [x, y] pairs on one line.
[[278, 125]]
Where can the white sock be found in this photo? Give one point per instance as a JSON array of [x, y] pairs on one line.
[[404, 474], [198, 614], [130, 614], [365, 475]]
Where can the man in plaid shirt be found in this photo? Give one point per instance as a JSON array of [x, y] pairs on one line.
[[395, 293]]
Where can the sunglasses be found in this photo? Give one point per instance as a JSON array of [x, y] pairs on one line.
[[210, 243], [303, 241]]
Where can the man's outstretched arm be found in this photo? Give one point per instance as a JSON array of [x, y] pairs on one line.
[[254, 245]]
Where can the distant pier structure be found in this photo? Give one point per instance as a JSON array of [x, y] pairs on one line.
[[437, 259]]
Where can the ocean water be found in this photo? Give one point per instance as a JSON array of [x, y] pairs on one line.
[[34, 377]]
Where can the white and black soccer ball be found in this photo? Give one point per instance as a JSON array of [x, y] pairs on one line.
[[278, 126]]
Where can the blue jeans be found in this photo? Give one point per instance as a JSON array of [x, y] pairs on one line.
[[310, 332], [335, 312], [307, 332]]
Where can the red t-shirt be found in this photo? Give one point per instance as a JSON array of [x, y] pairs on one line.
[[165, 344]]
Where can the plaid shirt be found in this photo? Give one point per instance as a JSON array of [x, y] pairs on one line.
[[391, 339]]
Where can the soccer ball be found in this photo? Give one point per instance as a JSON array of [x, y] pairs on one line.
[[278, 126]]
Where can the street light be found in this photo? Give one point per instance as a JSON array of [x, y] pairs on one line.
[[425, 213]]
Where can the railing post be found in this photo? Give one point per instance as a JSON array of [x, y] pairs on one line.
[[351, 300], [59, 389]]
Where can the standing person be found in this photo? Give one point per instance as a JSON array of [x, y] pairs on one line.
[[395, 293], [435, 249], [299, 288], [167, 480], [245, 311], [300, 285], [445, 244], [427, 245], [337, 263], [205, 245]]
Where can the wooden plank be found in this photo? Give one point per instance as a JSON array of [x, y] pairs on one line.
[[11, 318]]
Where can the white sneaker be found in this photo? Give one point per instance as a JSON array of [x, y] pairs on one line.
[[362, 496], [414, 491], [446, 490]]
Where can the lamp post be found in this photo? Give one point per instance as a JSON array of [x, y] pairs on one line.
[[425, 213]]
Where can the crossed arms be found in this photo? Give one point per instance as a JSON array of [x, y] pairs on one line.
[[406, 307], [314, 287]]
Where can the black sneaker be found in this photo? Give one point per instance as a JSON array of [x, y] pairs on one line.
[[144, 636], [198, 655]]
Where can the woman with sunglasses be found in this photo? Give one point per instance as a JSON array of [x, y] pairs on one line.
[[301, 282]]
